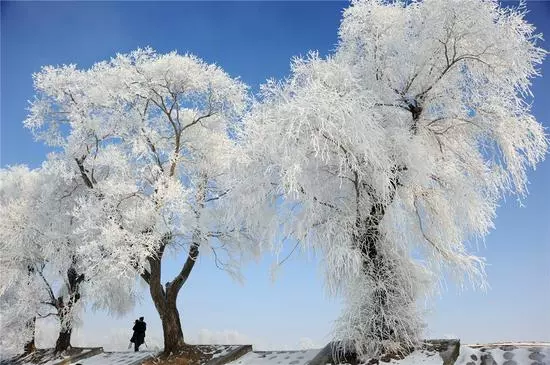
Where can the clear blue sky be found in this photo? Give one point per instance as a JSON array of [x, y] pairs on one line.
[[256, 40]]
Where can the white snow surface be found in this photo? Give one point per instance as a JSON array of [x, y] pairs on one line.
[[276, 358], [223, 350], [538, 354], [420, 357], [119, 358], [303, 358], [516, 356]]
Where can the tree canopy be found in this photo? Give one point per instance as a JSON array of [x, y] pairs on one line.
[[148, 138]]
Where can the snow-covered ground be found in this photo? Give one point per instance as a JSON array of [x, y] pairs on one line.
[[304, 357], [118, 358], [495, 354], [276, 358], [505, 354], [420, 357], [221, 350], [501, 354]]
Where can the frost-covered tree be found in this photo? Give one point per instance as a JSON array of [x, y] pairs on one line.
[[44, 272], [390, 156], [19, 263], [150, 136]]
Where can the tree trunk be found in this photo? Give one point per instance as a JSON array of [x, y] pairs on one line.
[[64, 309], [30, 346], [171, 327], [63, 340], [165, 302], [368, 238], [375, 266], [165, 298]]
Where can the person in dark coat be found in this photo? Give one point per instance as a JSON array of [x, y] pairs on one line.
[[138, 338], [133, 339]]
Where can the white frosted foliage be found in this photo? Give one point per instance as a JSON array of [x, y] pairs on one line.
[[391, 155], [149, 140]]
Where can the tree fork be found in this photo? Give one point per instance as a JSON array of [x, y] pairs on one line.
[[166, 305], [165, 299]]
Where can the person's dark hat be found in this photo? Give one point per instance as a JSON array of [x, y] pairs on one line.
[[141, 318]]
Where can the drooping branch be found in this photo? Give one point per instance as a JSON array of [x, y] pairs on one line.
[[315, 199], [436, 247], [48, 287], [219, 264]]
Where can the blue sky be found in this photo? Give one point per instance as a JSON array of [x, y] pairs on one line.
[[256, 40]]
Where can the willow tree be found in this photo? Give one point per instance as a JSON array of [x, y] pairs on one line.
[[391, 154], [45, 271], [149, 136], [23, 288]]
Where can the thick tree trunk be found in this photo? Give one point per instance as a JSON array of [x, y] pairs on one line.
[[367, 239], [64, 309], [171, 327], [165, 302], [31, 324], [30, 346], [63, 340], [375, 266], [165, 298]]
